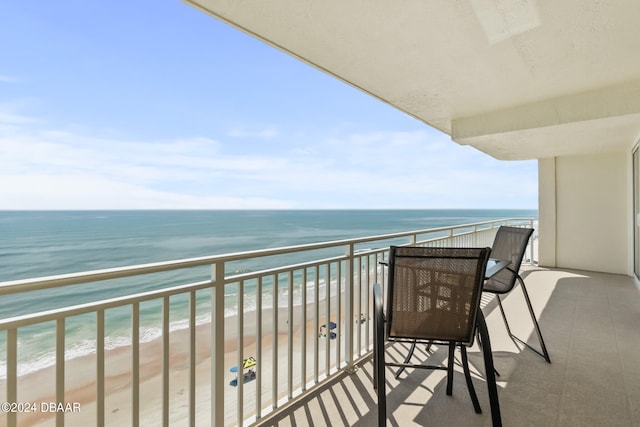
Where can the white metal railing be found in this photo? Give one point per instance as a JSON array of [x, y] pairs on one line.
[[285, 333]]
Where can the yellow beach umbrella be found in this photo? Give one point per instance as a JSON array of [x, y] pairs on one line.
[[249, 362]]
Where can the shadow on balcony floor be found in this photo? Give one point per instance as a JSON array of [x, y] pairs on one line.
[[591, 325]]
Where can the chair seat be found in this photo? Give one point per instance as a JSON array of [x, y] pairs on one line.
[[501, 283]]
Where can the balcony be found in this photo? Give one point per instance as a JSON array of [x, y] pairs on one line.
[[590, 325], [183, 376]]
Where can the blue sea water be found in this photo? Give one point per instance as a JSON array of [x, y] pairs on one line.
[[45, 243]]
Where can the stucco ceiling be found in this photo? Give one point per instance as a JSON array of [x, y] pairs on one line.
[[517, 79]]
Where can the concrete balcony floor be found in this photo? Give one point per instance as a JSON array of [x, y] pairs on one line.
[[591, 325]]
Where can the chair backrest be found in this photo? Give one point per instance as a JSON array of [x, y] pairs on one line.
[[509, 244], [434, 293]]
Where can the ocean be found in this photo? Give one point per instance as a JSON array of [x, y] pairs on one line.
[[46, 243]]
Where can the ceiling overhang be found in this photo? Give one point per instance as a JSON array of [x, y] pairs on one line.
[[519, 79]]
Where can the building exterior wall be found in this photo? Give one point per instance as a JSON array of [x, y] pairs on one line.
[[584, 209], [547, 212]]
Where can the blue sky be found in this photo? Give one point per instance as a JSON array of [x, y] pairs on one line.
[[119, 105]]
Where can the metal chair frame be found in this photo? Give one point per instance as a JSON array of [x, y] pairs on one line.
[[382, 326], [524, 234]]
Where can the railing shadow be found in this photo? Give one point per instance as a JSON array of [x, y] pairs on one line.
[[350, 400], [417, 398]]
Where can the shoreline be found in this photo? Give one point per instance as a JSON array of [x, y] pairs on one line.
[[79, 350], [80, 372]]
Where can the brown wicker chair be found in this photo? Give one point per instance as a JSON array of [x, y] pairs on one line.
[[510, 244], [433, 296]]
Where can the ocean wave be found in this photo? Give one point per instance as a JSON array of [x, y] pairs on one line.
[[41, 349], [46, 358]]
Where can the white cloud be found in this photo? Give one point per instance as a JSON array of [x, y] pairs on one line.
[[7, 79], [421, 169], [94, 192], [267, 133], [54, 169], [8, 119]]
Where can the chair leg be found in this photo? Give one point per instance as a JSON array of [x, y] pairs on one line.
[[406, 359], [480, 345], [467, 377], [375, 360], [544, 353], [381, 388], [428, 347], [489, 371], [378, 356], [452, 348]]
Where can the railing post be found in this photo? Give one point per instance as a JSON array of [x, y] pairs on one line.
[[166, 362], [290, 335], [259, 348], [316, 323], [349, 314], [12, 374], [60, 350], [217, 345], [192, 358], [303, 351], [240, 355], [533, 241], [135, 364], [100, 382], [274, 345], [475, 236]]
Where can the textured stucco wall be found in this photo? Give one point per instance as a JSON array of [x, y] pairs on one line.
[[585, 212]]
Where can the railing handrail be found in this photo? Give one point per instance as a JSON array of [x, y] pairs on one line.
[[346, 273], [103, 304], [68, 279]]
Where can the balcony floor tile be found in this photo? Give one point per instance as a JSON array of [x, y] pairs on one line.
[[590, 325]]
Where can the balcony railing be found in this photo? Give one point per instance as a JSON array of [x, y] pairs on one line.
[[301, 322]]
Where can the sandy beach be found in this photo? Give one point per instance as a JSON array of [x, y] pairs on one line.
[[80, 374]]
